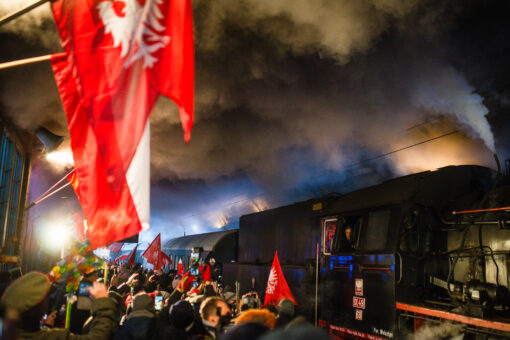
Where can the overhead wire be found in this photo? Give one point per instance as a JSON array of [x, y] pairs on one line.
[[351, 165]]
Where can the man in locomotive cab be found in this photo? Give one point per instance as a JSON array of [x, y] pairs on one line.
[[348, 239]]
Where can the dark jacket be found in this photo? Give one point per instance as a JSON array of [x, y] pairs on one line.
[[103, 325], [137, 328]]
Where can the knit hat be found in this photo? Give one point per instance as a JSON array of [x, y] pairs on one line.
[[182, 315], [286, 307], [26, 292], [142, 306]]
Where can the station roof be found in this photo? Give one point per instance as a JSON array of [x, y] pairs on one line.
[[207, 241]]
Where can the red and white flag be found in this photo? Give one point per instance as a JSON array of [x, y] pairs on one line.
[[119, 56], [165, 260], [121, 258], [277, 288], [153, 253], [180, 268], [116, 247], [132, 257]]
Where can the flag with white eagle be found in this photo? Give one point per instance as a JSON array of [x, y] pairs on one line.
[[120, 55], [277, 288]]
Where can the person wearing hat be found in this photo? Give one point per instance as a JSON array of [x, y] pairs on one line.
[[26, 300], [141, 322], [216, 269]]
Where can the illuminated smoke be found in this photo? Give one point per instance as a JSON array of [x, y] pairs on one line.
[[444, 330], [289, 96], [259, 205], [447, 92], [221, 220]]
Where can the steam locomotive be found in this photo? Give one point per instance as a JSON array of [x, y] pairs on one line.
[[380, 262]]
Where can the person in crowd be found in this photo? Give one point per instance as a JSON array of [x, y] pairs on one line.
[[216, 269], [136, 284], [249, 300], [302, 332], [26, 300], [180, 322], [245, 331], [285, 312], [140, 324], [80, 309], [263, 316], [5, 280], [216, 315]]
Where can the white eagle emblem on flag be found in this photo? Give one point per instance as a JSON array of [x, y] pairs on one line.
[[135, 26], [272, 282]]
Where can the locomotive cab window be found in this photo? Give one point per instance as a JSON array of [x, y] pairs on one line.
[[347, 237], [375, 235]]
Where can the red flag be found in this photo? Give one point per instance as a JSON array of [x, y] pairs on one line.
[[120, 55], [116, 247], [185, 282], [132, 256], [206, 274], [165, 260], [121, 258], [153, 253], [277, 288], [180, 268]]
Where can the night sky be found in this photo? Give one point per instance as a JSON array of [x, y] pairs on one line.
[[294, 100]]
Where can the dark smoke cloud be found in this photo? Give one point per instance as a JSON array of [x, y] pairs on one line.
[[289, 96]]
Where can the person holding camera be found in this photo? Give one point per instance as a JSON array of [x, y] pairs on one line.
[[26, 300]]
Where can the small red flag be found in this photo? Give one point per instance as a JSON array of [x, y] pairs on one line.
[[166, 261], [153, 253], [132, 256], [116, 247], [277, 288], [180, 268], [121, 258], [206, 274]]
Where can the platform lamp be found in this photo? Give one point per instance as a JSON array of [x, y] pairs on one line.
[[50, 140]]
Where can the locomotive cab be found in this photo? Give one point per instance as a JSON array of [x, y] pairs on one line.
[[358, 272]]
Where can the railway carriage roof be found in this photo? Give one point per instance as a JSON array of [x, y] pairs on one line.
[[207, 241]]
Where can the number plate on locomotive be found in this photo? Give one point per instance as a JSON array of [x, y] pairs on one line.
[[358, 302]]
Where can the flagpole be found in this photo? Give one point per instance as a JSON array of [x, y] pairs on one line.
[[26, 61], [316, 284], [48, 192], [12, 16]]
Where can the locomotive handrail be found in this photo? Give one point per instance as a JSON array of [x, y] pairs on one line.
[[400, 267], [479, 210], [498, 222]]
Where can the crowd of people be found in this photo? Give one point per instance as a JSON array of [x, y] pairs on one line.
[[136, 303]]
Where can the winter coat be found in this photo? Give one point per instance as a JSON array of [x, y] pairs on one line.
[[103, 325], [137, 328]]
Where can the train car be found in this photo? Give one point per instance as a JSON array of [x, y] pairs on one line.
[[222, 245], [392, 256]]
